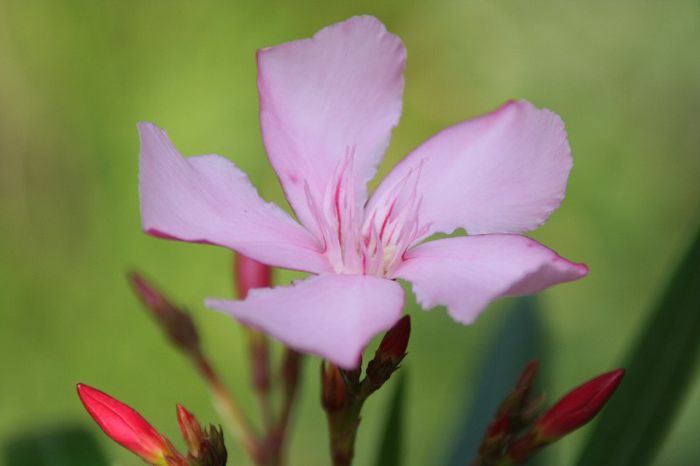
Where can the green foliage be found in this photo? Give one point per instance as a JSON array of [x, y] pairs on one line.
[[518, 341], [68, 446], [392, 445], [76, 76], [660, 370]]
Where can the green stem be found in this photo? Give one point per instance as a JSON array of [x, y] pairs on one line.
[[343, 427]]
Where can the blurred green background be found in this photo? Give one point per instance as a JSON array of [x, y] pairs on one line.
[[76, 76]]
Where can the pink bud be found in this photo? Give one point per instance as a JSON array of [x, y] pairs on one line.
[[578, 406], [127, 427], [250, 274], [191, 430]]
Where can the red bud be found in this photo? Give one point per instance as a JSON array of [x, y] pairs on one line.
[[191, 430], [395, 341], [128, 428], [250, 274], [390, 353], [578, 406], [333, 390]]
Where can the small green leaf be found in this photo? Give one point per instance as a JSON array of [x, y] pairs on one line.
[[66, 446], [391, 446], [518, 341], [659, 368]]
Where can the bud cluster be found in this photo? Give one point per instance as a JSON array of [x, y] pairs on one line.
[[340, 388], [517, 433], [129, 429], [343, 392]]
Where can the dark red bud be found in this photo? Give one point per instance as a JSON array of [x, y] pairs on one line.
[[395, 342], [213, 451], [578, 407], [518, 399], [250, 274], [527, 378], [497, 430], [333, 390], [523, 448], [128, 428], [190, 429], [390, 353]]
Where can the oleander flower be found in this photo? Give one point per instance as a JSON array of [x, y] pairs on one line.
[[327, 108]]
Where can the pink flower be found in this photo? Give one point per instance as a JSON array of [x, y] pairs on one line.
[[327, 108]]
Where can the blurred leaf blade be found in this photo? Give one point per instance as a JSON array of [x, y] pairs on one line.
[[391, 448], [518, 341], [66, 446], [659, 371]]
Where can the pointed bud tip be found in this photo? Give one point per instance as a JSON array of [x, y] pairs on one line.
[[529, 373], [579, 406], [190, 429], [148, 295], [124, 425]]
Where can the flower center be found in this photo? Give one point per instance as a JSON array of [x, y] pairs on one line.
[[359, 241]]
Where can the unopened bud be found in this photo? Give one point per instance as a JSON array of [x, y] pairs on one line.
[[190, 429], [496, 433], [390, 353], [579, 406], [250, 274], [128, 428], [176, 323], [333, 389], [213, 451]]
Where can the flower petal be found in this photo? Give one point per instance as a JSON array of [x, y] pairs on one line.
[[466, 273], [322, 99], [504, 172], [207, 199], [333, 316]]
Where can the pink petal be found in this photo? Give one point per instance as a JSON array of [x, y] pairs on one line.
[[466, 273], [324, 98], [504, 172], [333, 316], [207, 199]]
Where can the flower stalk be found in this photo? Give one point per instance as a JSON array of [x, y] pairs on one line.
[[343, 394]]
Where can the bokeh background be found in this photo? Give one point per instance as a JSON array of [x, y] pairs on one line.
[[76, 76]]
